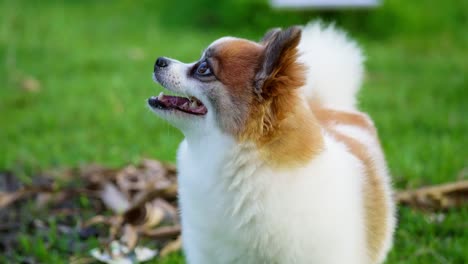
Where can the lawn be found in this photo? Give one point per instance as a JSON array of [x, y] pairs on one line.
[[75, 77]]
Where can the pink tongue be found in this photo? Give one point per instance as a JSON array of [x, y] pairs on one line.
[[183, 104], [178, 101]]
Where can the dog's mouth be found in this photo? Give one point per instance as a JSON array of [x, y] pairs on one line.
[[189, 105]]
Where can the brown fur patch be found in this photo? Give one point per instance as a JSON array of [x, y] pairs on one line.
[[283, 128], [284, 140], [235, 63], [375, 204], [331, 117]]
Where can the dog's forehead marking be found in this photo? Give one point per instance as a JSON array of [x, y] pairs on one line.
[[222, 40], [230, 43], [208, 51], [236, 60]]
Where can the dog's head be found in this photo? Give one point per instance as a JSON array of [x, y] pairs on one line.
[[241, 87]]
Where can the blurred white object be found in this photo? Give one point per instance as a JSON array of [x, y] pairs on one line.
[[120, 254], [324, 3], [114, 199]]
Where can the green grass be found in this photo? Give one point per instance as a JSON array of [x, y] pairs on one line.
[[94, 59]]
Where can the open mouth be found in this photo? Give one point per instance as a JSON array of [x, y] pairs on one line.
[[189, 105]]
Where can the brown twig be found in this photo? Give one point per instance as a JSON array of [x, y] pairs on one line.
[[162, 232], [439, 197]]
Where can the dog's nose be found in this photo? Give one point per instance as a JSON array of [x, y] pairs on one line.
[[161, 62]]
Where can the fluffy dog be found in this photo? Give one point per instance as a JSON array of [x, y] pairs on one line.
[[277, 164]]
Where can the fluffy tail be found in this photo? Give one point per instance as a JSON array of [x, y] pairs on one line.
[[335, 66]]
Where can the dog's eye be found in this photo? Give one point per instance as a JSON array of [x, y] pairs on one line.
[[203, 69]]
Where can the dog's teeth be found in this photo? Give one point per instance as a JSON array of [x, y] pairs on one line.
[[185, 105], [194, 104], [161, 96]]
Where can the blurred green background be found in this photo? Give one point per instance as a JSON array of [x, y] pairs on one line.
[[75, 76]]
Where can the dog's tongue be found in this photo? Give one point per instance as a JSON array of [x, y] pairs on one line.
[[193, 106], [175, 100]]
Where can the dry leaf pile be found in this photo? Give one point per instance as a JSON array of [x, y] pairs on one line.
[[132, 203]]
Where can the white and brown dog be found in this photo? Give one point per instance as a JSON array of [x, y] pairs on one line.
[[278, 166]]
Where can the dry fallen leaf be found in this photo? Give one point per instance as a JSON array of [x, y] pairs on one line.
[[7, 198], [95, 175], [146, 216], [154, 215], [147, 176], [113, 198], [172, 246], [129, 236], [163, 232], [98, 219], [171, 215]]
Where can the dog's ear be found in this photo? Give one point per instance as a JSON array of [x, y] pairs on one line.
[[270, 35], [278, 66]]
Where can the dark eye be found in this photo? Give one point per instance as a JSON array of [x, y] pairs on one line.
[[203, 69]]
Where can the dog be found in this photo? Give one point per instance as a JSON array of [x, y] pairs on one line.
[[277, 166]]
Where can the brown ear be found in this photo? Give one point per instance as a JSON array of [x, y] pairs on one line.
[[278, 61]]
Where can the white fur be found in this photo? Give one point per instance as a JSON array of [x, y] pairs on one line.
[[335, 66], [237, 209]]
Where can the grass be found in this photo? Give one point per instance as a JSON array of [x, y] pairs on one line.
[[93, 62]]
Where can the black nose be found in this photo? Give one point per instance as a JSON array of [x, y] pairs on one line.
[[161, 62]]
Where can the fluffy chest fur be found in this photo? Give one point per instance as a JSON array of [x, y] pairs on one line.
[[235, 209]]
